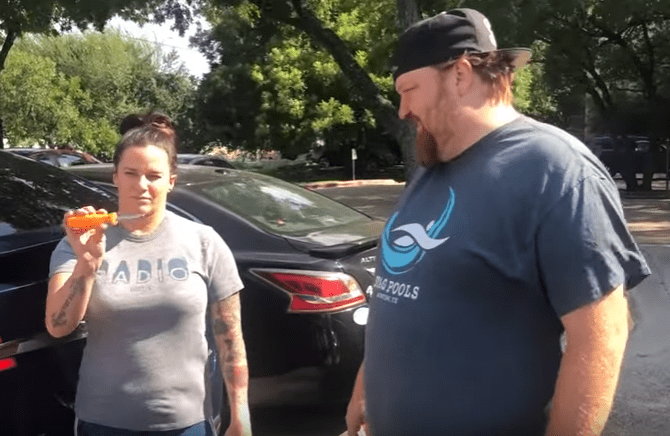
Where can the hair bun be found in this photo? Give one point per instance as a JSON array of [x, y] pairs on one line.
[[158, 120], [130, 122], [153, 119]]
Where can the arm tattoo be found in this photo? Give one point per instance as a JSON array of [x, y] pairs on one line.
[[228, 331], [60, 319]]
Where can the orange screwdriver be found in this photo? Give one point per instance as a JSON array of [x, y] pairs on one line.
[[95, 219]]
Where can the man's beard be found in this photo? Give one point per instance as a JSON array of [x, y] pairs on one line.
[[426, 148]]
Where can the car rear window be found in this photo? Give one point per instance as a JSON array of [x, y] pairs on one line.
[[34, 196], [277, 206]]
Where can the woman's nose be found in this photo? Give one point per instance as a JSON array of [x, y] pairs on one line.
[[143, 182]]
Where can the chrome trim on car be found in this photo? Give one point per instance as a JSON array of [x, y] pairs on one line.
[[39, 341]]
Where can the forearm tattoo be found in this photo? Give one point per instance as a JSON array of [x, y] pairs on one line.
[[227, 329], [60, 319]]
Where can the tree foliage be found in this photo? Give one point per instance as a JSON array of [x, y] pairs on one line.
[[615, 51], [316, 66], [73, 89], [274, 85], [19, 17], [317, 69]]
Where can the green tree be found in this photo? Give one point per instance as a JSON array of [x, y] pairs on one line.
[[19, 17], [316, 67], [616, 52], [309, 80], [73, 89], [42, 104]]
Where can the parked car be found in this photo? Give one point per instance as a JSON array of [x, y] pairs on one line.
[[630, 154], [21, 151], [38, 374], [57, 157], [306, 262], [203, 159]]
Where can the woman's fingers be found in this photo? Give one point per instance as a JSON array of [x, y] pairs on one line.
[[86, 210]]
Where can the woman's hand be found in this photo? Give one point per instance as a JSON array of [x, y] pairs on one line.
[[239, 427], [88, 244]]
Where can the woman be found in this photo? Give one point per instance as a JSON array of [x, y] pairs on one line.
[[143, 287]]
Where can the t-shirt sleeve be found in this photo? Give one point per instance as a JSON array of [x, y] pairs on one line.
[[584, 247], [63, 259], [223, 276]]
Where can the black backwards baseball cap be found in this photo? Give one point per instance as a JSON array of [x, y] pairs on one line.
[[445, 37]]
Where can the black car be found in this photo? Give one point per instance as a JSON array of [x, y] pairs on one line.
[[38, 374], [56, 157], [203, 159], [629, 154], [306, 262]]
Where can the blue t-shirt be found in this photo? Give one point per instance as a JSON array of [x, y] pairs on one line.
[[481, 258]]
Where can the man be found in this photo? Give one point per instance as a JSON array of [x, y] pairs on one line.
[[510, 234]]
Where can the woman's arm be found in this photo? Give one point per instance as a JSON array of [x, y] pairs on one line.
[[227, 329], [69, 293]]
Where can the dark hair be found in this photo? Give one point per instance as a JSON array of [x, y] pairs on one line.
[[494, 68], [153, 128]]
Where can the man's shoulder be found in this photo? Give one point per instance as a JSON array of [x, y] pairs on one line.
[[545, 137], [548, 147]]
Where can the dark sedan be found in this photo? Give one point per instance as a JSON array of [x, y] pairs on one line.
[[306, 262], [203, 159], [38, 374], [56, 156]]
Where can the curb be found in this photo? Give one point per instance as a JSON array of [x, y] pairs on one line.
[[347, 183]]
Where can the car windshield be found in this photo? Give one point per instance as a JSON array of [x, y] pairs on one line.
[[279, 207]]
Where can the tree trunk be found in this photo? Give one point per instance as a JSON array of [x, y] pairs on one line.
[[384, 111], [408, 13], [6, 46]]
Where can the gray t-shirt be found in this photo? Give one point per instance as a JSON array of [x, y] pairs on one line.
[[481, 258], [144, 363]]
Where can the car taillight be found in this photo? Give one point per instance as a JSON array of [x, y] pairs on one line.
[[315, 291], [6, 364]]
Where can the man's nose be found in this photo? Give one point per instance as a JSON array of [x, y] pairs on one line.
[[403, 110]]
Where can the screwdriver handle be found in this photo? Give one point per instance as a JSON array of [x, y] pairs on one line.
[[91, 220]]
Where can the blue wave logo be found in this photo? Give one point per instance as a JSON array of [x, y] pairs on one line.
[[412, 241]]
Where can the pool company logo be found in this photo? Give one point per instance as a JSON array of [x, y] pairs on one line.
[[404, 252]]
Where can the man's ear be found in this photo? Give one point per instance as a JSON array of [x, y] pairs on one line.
[[464, 76]]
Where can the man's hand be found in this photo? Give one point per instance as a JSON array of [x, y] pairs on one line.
[[587, 379], [355, 417]]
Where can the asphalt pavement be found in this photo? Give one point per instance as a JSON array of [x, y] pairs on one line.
[[642, 404]]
